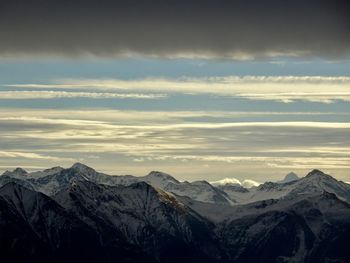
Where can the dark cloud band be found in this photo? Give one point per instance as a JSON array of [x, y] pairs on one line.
[[214, 28]]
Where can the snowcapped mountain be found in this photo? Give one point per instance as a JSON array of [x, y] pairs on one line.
[[290, 177], [92, 217], [314, 182], [52, 180]]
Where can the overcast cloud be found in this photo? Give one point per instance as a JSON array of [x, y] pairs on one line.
[[186, 28]]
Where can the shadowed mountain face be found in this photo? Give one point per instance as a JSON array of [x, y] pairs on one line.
[[310, 229], [146, 217], [87, 216], [35, 227]]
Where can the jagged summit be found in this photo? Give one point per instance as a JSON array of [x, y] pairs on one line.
[[18, 171]]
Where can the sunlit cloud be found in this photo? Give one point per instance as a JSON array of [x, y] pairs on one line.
[[29, 155], [247, 183], [276, 88], [193, 125], [154, 116], [149, 140], [46, 94], [225, 181]]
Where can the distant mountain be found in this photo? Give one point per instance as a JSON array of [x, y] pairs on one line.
[[87, 216], [289, 178], [315, 182]]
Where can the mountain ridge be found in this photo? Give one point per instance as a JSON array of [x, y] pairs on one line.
[[54, 179], [159, 219]]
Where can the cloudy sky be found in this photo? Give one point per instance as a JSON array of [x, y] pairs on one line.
[[199, 89]]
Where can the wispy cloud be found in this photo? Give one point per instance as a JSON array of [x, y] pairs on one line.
[[176, 140], [154, 116], [276, 88], [29, 155], [49, 94], [172, 139]]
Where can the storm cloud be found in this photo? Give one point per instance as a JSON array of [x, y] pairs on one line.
[[182, 28]]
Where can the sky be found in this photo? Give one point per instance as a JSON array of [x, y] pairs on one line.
[[198, 89]]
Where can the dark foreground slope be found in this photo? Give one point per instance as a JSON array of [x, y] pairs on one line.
[[35, 228], [312, 229]]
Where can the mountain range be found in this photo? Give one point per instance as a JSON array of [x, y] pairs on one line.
[[79, 214]]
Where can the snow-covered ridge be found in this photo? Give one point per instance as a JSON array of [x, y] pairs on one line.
[[226, 192]]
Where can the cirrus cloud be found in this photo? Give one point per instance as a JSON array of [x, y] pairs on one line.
[[50, 94], [276, 88]]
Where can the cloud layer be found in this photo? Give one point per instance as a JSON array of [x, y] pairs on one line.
[[50, 94], [275, 88], [134, 141], [187, 28]]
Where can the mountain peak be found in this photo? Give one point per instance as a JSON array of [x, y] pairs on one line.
[[82, 168], [290, 177], [316, 173], [78, 165], [161, 175], [158, 174], [18, 171]]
